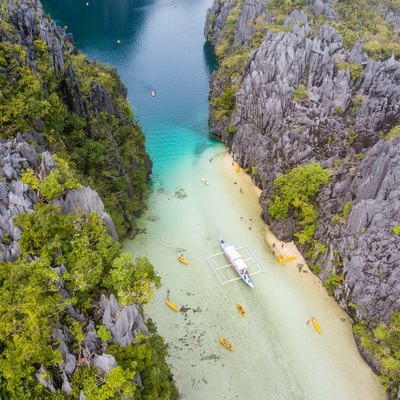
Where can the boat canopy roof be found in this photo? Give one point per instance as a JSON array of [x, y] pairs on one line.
[[240, 264], [231, 252], [235, 258]]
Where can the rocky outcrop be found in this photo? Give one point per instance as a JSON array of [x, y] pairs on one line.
[[303, 98], [17, 197], [219, 12], [123, 154], [368, 251], [86, 200], [123, 322]]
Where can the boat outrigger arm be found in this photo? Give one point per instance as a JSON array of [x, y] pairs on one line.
[[237, 263]]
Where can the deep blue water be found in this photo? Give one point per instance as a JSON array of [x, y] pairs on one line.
[[162, 49]]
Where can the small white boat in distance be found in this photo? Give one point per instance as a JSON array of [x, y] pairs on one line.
[[237, 262], [205, 181]]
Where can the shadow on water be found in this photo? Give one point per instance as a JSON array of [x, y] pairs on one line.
[[210, 60]]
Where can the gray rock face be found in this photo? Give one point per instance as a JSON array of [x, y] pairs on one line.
[[106, 362], [368, 248], [48, 383], [86, 200], [26, 24], [335, 120], [16, 197], [68, 366], [66, 386], [122, 322]]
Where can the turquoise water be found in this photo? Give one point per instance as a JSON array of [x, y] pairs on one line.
[[277, 355], [161, 49]]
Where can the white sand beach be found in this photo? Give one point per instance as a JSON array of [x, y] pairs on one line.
[[277, 354]]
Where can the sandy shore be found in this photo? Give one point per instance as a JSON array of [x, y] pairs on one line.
[[278, 247]]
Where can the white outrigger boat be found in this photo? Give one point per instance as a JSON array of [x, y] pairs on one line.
[[237, 261]]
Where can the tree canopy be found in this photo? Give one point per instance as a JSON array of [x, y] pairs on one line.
[[33, 304]]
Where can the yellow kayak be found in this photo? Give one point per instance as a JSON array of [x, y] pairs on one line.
[[183, 260], [287, 259], [172, 305], [241, 310], [226, 343], [316, 326], [238, 168]]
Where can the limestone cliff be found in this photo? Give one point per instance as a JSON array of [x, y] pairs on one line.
[[71, 302], [79, 106], [301, 97]]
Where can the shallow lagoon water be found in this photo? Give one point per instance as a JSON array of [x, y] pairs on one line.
[[277, 355]]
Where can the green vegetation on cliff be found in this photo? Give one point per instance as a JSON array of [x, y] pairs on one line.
[[383, 343], [295, 194], [54, 296], [281, 8], [83, 115], [35, 300], [231, 64], [366, 20]]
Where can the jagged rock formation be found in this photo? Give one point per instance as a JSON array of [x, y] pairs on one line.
[[95, 121], [123, 324], [96, 109], [17, 197], [336, 123], [85, 199], [368, 249]]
